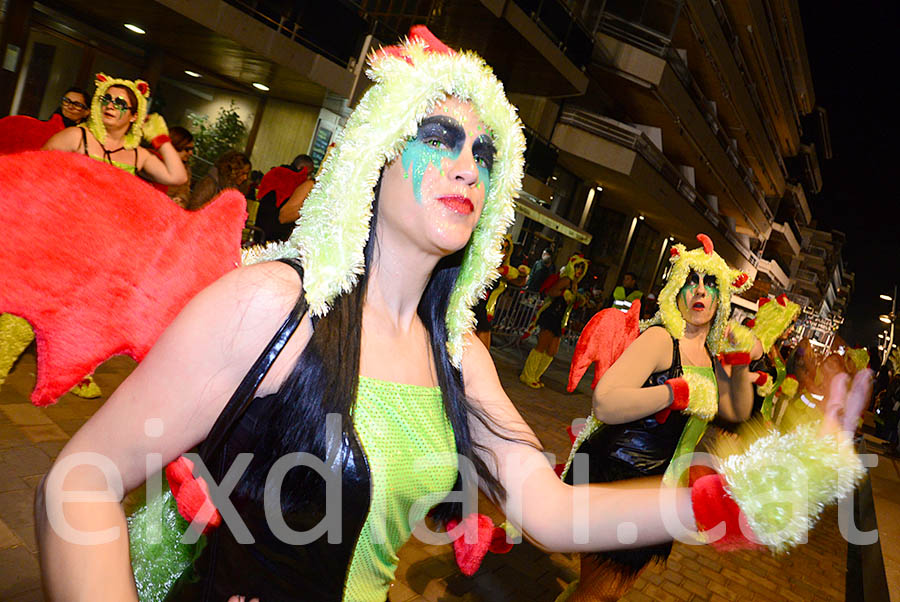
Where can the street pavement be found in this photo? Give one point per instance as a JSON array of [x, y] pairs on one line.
[[31, 437]]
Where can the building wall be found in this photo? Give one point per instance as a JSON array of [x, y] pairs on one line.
[[285, 132], [62, 73], [178, 101]]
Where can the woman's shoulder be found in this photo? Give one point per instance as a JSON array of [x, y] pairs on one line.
[[271, 285]]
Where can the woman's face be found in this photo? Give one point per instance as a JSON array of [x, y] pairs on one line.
[[187, 152], [434, 191], [74, 106], [116, 108], [242, 174], [698, 299], [579, 270]]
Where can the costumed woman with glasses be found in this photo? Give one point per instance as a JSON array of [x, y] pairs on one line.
[[360, 354], [73, 107], [113, 132]]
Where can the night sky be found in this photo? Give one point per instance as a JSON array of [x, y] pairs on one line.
[[853, 49]]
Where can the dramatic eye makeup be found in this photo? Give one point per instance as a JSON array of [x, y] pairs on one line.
[[483, 151], [693, 281], [442, 137], [441, 131]]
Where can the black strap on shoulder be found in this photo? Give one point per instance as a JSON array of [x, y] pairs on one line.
[[84, 141], [245, 392]]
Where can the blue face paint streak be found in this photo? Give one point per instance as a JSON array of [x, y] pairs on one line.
[[438, 138], [417, 157]]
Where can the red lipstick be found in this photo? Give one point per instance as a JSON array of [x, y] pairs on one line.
[[457, 203]]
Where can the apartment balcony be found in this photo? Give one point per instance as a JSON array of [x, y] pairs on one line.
[[757, 34], [637, 176], [774, 271], [807, 282], [808, 165], [662, 92], [785, 233], [717, 59], [536, 47], [231, 48], [797, 197]]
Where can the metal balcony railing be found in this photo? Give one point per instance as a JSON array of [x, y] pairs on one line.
[[733, 43], [564, 26], [632, 138], [628, 21], [731, 150], [647, 24], [333, 29]]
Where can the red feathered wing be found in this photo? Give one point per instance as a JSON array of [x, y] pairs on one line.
[[19, 133], [602, 341], [99, 262]]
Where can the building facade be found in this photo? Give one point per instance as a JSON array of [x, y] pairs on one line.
[[648, 121]]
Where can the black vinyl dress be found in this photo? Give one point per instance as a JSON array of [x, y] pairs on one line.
[[635, 449], [271, 569]]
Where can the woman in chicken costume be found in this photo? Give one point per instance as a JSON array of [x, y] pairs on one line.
[[553, 317], [367, 364], [658, 390]]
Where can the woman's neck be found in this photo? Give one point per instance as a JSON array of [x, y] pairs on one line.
[[696, 333], [397, 279], [115, 136]]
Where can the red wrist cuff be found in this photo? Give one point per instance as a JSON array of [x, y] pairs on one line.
[[714, 506], [504, 270], [160, 140], [681, 393], [737, 358], [761, 378]]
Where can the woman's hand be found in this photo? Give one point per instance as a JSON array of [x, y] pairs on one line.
[[242, 599], [845, 405]]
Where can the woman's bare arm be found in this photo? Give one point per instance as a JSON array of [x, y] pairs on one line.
[[290, 211], [166, 406], [557, 516], [735, 384], [68, 140], [619, 396], [169, 170]]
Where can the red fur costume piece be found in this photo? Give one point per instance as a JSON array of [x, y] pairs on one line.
[[604, 338], [19, 133], [283, 181], [99, 262], [479, 537]]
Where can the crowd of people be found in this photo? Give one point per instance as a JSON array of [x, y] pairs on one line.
[[345, 360]]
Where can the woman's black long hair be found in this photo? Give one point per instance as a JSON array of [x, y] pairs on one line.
[[326, 376]]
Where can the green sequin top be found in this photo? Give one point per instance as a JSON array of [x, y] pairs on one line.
[[411, 450]]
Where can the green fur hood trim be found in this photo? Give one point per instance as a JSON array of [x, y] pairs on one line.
[[333, 228]]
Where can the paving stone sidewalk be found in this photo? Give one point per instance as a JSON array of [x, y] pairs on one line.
[[31, 437]]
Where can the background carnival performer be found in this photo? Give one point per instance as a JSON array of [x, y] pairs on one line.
[[113, 132], [487, 306], [553, 317], [672, 365], [426, 166]]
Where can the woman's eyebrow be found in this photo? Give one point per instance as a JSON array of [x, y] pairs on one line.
[[485, 141], [443, 125]]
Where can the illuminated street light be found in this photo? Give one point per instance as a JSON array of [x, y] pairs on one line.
[[260, 86], [191, 73], [885, 319], [885, 297], [135, 29]]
